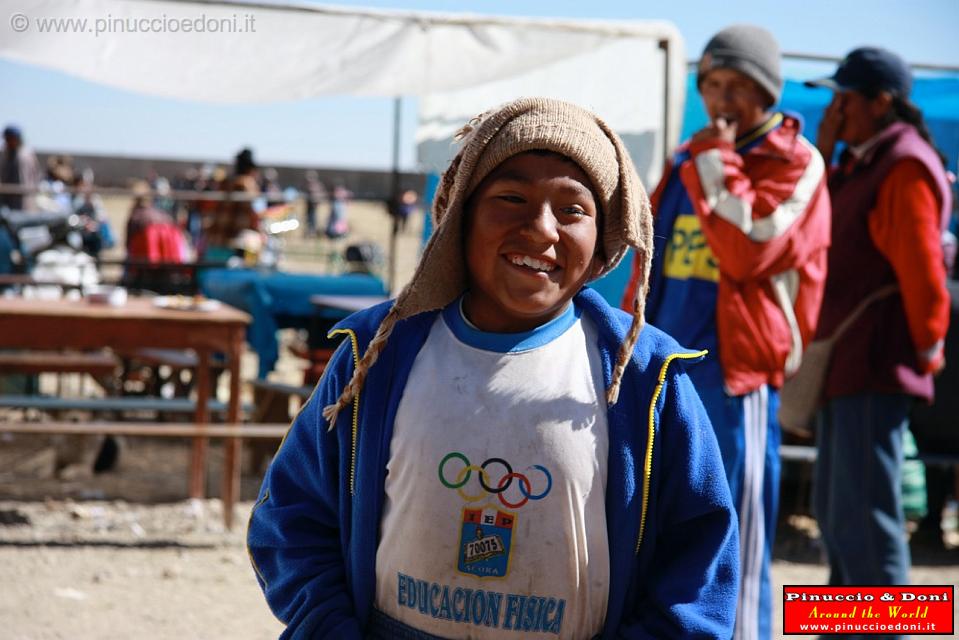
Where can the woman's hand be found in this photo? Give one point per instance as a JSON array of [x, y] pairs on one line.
[[829, 127]]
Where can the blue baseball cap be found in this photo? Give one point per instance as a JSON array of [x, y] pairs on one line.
[[868, 70], [12, 131]]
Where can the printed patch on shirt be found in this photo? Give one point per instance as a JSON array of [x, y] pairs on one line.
[[486, 530], [688, 254], [485, 542]]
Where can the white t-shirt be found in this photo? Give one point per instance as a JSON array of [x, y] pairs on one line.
[[495, 516]]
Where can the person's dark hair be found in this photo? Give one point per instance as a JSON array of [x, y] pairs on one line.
[[903, 110], [244, 163]]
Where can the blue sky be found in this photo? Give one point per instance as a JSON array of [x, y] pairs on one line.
[[60, 112]]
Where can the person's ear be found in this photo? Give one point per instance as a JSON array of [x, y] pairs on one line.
[[881, 105], [596, 265]]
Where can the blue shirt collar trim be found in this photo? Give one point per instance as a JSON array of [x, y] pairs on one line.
[[508, 342]]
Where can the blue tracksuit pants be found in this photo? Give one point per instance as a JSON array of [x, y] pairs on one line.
[[749, 438]]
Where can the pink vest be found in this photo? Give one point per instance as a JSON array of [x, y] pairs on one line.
[[876, 355]]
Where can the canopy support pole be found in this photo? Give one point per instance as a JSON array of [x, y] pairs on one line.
[[394, 201], [664, 45]]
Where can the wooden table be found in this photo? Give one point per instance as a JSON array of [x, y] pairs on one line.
[[78, 324]]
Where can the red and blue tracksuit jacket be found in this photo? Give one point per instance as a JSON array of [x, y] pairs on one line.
[[741, 234]]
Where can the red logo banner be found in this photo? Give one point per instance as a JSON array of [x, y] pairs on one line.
[[915, 610]]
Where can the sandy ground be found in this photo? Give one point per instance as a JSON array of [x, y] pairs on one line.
[[125, 555], [122, 555]]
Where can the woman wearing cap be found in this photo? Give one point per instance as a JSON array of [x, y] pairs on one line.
[[891, 200]]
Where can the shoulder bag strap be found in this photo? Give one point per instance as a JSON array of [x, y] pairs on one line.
[[878, 294]]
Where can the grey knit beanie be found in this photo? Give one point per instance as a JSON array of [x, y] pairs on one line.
[[527, 124], [748, 49]]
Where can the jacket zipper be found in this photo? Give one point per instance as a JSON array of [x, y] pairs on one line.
[[266, 496], [648, 463], [356, 405]]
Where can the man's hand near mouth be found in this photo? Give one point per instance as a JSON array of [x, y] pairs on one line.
[[722, 128]]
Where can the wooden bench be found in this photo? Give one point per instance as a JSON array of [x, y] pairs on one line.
[[110, 403], [279, 388], [166, 429], [236, 433], [94, 363], [155, 369], [102, 366]]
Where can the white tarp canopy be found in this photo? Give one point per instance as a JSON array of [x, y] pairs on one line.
[[623, 81], [237, 52]]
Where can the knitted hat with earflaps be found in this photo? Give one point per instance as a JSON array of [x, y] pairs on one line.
[[528, 124]]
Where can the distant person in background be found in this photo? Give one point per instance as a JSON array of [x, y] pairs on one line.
[[152, 237], [892, 201], [338, 226], [18, 167], [87, 203], [151, 233], [162, 199], [185, 209], [235, 215], [60, 169], [405, 208], [316, 196], [203, 209], [270, 187]]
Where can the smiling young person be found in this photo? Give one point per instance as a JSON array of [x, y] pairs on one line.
[[741, 233], [498, 453]]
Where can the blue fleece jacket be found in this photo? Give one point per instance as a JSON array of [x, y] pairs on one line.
[[673, 538]]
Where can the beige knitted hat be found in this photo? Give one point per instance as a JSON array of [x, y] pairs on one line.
[[527, 124]]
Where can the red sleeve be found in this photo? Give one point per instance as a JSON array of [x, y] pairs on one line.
[[762, 219], [629, 295], [905, 225]]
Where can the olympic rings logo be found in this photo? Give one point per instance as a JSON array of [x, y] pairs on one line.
[[504, 483]]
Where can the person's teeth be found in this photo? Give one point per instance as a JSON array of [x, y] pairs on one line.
[[533, 263]]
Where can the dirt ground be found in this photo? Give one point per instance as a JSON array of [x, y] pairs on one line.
[[124, 555]]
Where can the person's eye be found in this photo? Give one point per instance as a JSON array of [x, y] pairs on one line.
[[575, 210], [511, 198]]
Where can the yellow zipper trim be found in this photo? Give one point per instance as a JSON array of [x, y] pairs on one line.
[[648, 464], [761, 131], [266, 496], [356, 403]]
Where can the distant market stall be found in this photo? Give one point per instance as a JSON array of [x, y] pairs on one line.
[[633, 73]]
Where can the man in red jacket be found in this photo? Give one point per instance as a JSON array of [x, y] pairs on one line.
[[741, 233]]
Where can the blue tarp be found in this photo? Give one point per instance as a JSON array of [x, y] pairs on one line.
[[278, 300], [937, 97]]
